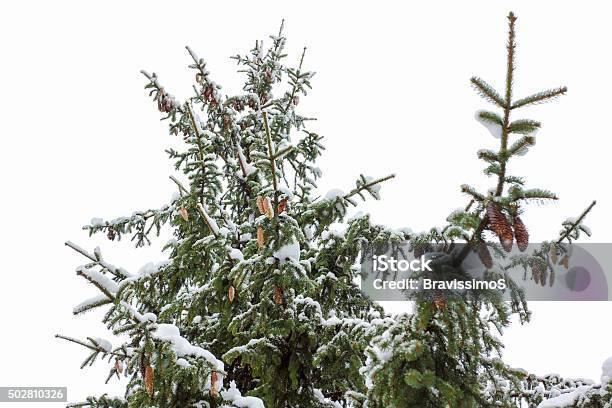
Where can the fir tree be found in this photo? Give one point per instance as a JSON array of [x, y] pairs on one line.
[[257, 302], [257, 297], [446, 354]]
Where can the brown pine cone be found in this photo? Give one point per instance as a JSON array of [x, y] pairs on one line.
[[260, 237], [484, 254], [521, 234], [500, 226], [213, 383], [536, 272], [149, 379], [278, 295], [281, 206]]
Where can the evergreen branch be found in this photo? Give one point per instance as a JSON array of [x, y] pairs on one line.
[[521, 145], [181, 188], [465, 188], [89, 346], [524, 126], [367, 186], [119, 272], [487, 92], [540, 97], [196, 130], [511, 46], [576, 224], [490, 117]]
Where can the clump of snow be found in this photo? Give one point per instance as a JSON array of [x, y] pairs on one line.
[[104, 344], [333, 194], [96, 222], [494, 128], [102, 280], [88, 302], [606, 371], [209, 220], [236, 254], [289, 251], [182, 347], [564, 400], [234, 396]]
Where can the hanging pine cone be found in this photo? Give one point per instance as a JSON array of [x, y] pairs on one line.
[[207, 93], [543, 277], [183, 213], [552, 278], [148, 377], [536, 272], [213, 383], [259, 202], [260, 237], [267, 208], [277, 296], [118, 366], [296, 100], [553, 254], [281, 206], [484, 254], [500, 226], [521, 234], [111, 234], [564, 262], [226, 120], [439, 301], [143, 365], [231, 293]]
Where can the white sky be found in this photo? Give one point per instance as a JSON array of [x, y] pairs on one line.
[[81, 139]]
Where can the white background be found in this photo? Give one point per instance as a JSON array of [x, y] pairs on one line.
[[81, 139]]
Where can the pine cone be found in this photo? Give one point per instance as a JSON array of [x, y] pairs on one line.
[[143, 365], [148, 377], [564, 262], [281, 206], [536, 272], [231, 293], [552, 278], [484, 254], [183, 213], [521, 234], [543, 277], [267, 207], [500, 226], [111, 234], [553, 254], [213, 383], [118, 366], [260, 237], [277, 295], [259, 202]]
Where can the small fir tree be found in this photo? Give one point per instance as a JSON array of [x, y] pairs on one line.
[[446, 354]]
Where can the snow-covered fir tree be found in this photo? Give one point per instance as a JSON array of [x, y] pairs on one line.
[[447, 352], [256, 303]]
